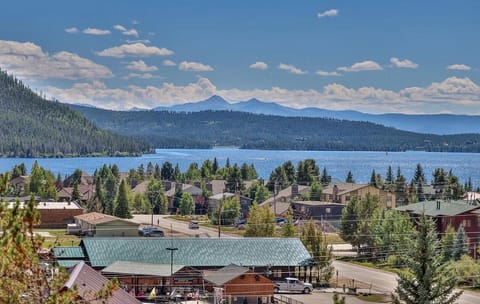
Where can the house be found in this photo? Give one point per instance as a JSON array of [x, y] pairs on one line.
[[216, 186], [19, 184], [87, 282], [85, 179], [280, 203], [317, 210], [86, 192], [245, 202], [103, 225], [53, 214], [454, 213], [342, 193], [240, 285], [197, 195]]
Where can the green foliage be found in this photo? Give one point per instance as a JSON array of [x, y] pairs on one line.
[[258, 192], [460, 245], [448, 243], [316, 244], [164, 129], [349, 178], [307, 172], [466, 271], [261, 222], [337, 299], [186, 204], [229, 209], [427, 281], [156, 197], [289, 229], [122, 208], [33, 126]]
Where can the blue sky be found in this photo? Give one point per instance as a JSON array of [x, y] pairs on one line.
[[371, 56]]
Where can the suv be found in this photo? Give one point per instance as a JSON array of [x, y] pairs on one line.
[[193, 225], [151, 232]]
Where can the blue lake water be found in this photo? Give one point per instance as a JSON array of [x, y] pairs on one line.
[[338, 163]]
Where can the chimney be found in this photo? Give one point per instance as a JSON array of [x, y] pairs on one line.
[[438, 205], [335, 193], [295, 190], [210, 187]]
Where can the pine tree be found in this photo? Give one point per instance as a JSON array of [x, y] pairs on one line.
[[289, 229], [448, 244], [460, 246], [349, 178], [122, 208], [427, 281], [75, 192]]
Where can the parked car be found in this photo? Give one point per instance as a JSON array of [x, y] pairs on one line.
[[240, 223], [193, 225], [151, 232], [293, 285], [280, 221]]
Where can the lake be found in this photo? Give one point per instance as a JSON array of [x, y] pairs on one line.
[[338, 163]]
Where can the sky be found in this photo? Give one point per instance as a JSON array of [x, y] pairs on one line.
[[370, 56]]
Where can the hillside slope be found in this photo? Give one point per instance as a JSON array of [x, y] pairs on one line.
[[31, 126], [226, 128]]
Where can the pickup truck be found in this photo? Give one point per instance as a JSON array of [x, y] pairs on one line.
[[293, 285]]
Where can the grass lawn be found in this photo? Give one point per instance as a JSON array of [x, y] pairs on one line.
[[58, 238]]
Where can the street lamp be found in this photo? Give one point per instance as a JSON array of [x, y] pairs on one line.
[[171, 249]]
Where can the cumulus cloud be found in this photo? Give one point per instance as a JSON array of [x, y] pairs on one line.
[[292, 69], [367, 65], [259, 65], [130, 32], [28, 60], [138, 75], [194, 66], [325, 73], [119, 27], [71, 30], [454, 94], [138, 41], [134, 50], [328, 13], [141, 66], [169, 63], [459, 67], [406, 64], [95, 31]]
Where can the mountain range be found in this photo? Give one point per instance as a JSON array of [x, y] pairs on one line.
[[441, 124]]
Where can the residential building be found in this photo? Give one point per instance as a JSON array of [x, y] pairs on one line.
[[342, 193], [245, 202], [86, 192], [85, 179], [19, 184], [280, 202], [103, 225]]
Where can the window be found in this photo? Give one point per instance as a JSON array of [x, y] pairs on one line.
[[328, 210], [277, 273]]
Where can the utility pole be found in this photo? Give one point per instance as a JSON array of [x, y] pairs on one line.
[[275, 198], [220, 207]]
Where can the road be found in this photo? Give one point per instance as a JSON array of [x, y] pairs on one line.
[[385, 281], [178, 227]]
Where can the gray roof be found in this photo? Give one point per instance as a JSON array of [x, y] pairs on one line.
[[87, 281], [225, 274], [197, 252], [448, 208], [146, 269]]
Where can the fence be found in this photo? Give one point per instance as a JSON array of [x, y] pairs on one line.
[[284, 299]]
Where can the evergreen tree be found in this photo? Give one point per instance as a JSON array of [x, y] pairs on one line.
[[141, 172], [315, 193], [177, 174], [290, 173], [149, 172], [349, 178], [167, 172], [448, 244], [206, 169], [155, 197], [110, 195], [215, 166], [349, 222], [389, 177], [325, 179], [426, 282], [75, 192], [460, 246], [289, 229], [122, 208], [157, 174], [373, 179]]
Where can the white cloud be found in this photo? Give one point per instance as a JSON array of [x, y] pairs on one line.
[[28, 60], [137, 75], [95, 31], [71, 30], [292, 69], [325, 73], [194, 66], [169, 63], [141, 66], [328, 13], [367, 65], [459, 95], [459, 67], [259, 65], [134, 50], [131, 32], [119, 27], [135, 22], [406, 64], [138, 41]]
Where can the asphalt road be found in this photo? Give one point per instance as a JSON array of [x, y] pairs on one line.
[[385, 282]]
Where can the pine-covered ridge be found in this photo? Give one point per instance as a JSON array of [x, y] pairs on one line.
[[32, 126], [206, 129]]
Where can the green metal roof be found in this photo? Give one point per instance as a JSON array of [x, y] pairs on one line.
[[147, 269], [66, 252], [68, 263], [447, 208], [197, 252]]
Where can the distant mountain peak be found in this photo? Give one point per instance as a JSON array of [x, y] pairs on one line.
[[216, 99]]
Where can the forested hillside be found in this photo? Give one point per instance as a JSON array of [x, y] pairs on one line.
[[224, 128], [31, 126]]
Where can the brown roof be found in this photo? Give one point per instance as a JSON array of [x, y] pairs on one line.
[[97, 218], [89, 282], [141, 188], [218, 186], [343, 188]]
